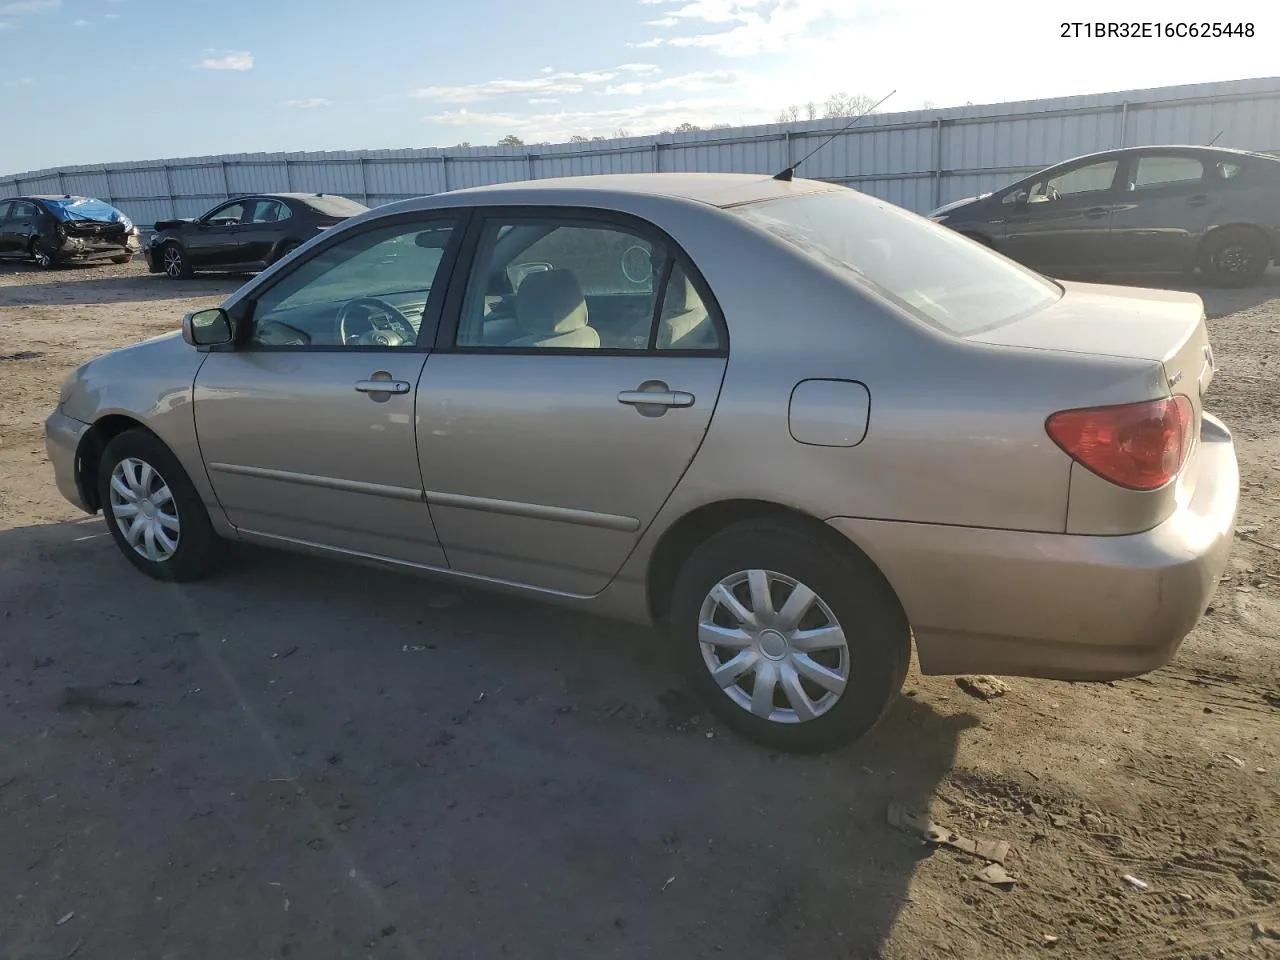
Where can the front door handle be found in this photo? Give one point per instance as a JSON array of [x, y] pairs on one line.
[[382, 386], [1199, 200], [1093, 213]]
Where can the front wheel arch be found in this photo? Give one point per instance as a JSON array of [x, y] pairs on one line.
[[90, 450]]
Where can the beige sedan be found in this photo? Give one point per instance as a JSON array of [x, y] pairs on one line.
[[793, 426]]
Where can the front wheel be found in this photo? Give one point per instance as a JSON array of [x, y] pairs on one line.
[[153, 511], [44, 257], [176, 264], [286, 248], [795, 643], [1235, 257]]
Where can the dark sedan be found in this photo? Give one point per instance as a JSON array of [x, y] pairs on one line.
[[1136, 210], [247, 233], [50, 231]]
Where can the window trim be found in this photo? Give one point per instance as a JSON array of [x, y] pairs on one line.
[[10, 207], [447, 332], [1047, 176], [246, 310]]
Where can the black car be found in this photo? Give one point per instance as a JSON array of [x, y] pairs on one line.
[[1136, 210], [56, 230], [247, 233]]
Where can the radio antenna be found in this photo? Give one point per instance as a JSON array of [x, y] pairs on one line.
[[790, 172]]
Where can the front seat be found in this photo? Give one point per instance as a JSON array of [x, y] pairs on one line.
[[552, 312]]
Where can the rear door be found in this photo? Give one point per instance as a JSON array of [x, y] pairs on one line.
[[1166, 203], [18, 225], [553, 424], [260, 230], [1064, 222], [8, 232]]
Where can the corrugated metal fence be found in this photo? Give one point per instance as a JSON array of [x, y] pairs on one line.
[[917, 159]]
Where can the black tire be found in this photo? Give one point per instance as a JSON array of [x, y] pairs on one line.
[[122, 259], [198, 547], [851, 587], [174, 262], [1235, 256], [44, 258], [286, 248]]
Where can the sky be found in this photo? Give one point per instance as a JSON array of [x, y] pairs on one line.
[[97, 81]]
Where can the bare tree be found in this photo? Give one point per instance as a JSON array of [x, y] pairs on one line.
[[577, 138], [510, 140], [789, 114], [686, 127], [847, 105], [598, 137], [811, 111], [621, 132], [464, 143]]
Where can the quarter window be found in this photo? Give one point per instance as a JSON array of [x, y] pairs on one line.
[[1167, 171], [368, 290]]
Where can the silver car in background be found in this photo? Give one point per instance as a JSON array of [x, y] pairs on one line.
[[793, 426]]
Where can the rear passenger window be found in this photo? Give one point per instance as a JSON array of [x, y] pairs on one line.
[[1166, 171]]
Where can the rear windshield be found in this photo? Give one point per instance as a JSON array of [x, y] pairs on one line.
[[926, 269], [334, 206]]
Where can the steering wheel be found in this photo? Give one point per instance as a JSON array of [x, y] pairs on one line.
[[395, 330]]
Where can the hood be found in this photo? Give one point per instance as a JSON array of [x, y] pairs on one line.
[[955, 205], [70, 209], [171, 224]]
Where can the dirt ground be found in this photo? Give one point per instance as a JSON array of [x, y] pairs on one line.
[[304, 759]]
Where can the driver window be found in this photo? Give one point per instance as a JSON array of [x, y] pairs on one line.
[[1093, 178], [368, 290], [231, 213]]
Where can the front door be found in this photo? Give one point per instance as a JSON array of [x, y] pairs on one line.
[[260, 230], [307, 428], [1168, 201], [211, 242], [586, 365], [17, 226], [8, 231], [1064, 220]]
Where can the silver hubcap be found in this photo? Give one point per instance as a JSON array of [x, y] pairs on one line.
[[173, 262], [43, 259], [143, 506], [1234, 259], [773, 646]]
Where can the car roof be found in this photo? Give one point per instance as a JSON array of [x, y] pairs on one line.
[[715, 189], [1157, 147]]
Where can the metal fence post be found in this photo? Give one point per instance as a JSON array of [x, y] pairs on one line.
[[288, 178], [226, 184], [1124, 121], [937, 162], [62, 185], [657, 157], [529, 159], [364, 183], [444, 172], [168, 185]]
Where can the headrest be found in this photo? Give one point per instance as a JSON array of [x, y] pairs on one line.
[[682, 295], [550, 302]]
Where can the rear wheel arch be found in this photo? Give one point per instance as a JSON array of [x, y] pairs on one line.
[[284, 248], [679, 540], [89, 452]]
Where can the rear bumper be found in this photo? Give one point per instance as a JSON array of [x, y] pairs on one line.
[[1061, 606], [62, 436]]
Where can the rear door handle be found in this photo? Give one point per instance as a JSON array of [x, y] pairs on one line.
[[1199, 200], [1093, 213], [656, 396], [382, 386]]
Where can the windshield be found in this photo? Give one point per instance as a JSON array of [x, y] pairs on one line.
[[930, 271], [334, 206], [85, 208]]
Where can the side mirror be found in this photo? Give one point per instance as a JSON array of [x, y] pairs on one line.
[[208, 328]]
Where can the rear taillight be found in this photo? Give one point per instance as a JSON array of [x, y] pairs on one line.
[[1140, 446]]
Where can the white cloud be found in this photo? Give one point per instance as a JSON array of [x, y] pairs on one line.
[[552, 83], [235, 60], [543, 100], [646, 44], [20, 82], [308, 103], [547, 70], [111, 16], [663, 22], [79, 23], [5, 25], [698, 80], [639, 119], [754, 26], [18, 7]]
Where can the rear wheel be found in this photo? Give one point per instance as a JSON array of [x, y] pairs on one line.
[[153, 511], [176, 264], [793, 642], [1235, 256]]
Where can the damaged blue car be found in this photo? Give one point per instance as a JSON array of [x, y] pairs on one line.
[[51, 231]]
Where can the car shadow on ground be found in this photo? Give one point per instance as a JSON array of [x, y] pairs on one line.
[[88, 284], [303, 757]]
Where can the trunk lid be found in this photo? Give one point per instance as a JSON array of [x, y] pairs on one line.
[[1165, 326]]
